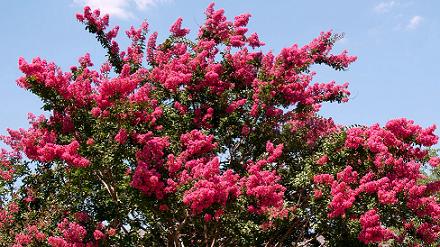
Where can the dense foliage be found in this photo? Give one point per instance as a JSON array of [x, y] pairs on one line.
[[208, 142]]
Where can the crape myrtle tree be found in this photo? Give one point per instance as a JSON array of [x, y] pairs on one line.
[[208, 142]]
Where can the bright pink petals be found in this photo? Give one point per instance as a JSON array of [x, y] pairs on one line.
[[372, 231], [176, 29]]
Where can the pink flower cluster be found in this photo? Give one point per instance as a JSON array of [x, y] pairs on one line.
[[176, 29], [214, 190], [146, 176], [7, 214], [72, 234], [47, 74], [403, 129], [75, 234], [372, 231], [263, 185], [122, 136], [232, 33], [40, 144], [210, 187], [428, 232], [93, 18], [31, 234], [6, 165], [343, 196], [171, 71], [390, 173], [135, 51]]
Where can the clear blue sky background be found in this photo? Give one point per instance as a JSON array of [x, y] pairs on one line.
[[397, 44]]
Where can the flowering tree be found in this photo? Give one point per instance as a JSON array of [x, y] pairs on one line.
[[208, 142]]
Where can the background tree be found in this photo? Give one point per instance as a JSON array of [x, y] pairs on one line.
[[208, 142]]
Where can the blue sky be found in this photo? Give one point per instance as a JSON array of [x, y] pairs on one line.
[[396, 42]]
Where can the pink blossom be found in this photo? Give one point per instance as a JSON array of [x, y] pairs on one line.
[[434, 161], [176, 28], [317, 194], [323, 160], [122, 136], [207, 217], [264, 186], [428, 232], [214, 190], [98, 235], [254, 41], [23, 239], [323, 178], [372, 231], [241, 20]]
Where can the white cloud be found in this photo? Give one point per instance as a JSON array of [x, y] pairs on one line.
[[414, 22], [118, 8], [143, 4], [384, 7]]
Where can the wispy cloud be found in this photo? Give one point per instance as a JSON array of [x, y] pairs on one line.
[[384, 7], [143, 4], [119, 8], [414, 22]]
